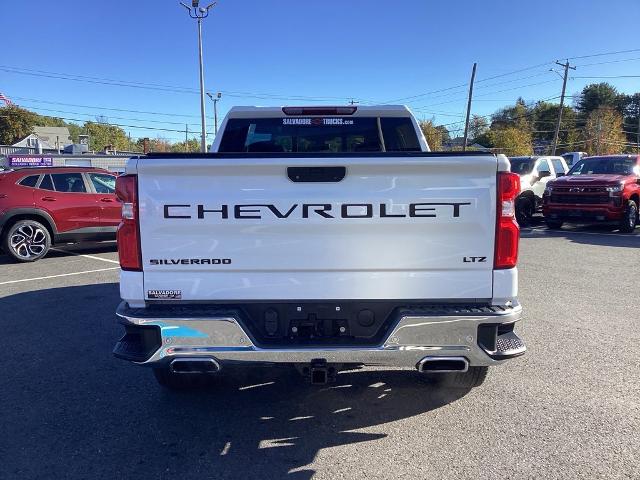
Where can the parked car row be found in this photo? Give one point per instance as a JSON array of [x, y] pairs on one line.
[[599, 189]]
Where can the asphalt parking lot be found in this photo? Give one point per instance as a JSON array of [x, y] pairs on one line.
[[570, 408]]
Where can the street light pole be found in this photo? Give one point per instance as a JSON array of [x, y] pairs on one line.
[[200, 13], [215, 110]]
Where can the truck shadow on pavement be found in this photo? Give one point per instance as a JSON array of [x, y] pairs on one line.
[[71, 410], [588, 235]]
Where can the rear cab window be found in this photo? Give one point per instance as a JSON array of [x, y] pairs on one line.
[[319, 135]]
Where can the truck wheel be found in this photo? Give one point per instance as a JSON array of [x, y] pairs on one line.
[[630, 218], [182, 381], [26, 241], [525, 209], [554, 224], [474, 377]]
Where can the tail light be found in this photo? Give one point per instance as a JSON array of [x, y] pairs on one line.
[[507, 229], [129, 229]]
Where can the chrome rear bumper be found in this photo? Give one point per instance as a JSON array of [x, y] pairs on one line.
[[414, 337]]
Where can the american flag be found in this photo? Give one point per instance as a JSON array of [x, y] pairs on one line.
[[5, 99]]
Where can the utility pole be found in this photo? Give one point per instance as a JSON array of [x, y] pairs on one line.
[[215, 110], [186, 137], [200, 13], [466, 123], [566, 66]]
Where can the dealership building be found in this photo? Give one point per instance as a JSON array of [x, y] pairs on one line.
[[53, 147]]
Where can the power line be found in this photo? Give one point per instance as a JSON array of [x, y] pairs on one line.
[[485, 94], [612, 76], [515, 71], [161, 87], [428, 93], [466, 84], [608, 62], [118, 118], [105, 108], [604, 54], [523, 70]]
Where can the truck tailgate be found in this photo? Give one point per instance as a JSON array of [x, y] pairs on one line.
[[405, 227]]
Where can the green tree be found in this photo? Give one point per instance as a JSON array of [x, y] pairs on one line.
[[629, 106], [478, 126], [603, 132], [595, 96], [517, 116], [511, 141], [433, 134], [545, 117]]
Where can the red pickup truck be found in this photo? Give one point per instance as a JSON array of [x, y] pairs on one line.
[[596, 189]]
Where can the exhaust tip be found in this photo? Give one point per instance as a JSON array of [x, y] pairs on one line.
[[443, 364], [194, 365]]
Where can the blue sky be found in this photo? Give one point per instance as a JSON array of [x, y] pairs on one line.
[[273, 52]]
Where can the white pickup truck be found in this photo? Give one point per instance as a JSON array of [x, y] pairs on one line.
[[323, 238]]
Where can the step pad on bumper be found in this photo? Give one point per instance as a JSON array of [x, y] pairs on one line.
[[500, 342]]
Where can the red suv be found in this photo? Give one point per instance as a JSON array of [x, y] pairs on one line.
[[40, 207], [596, 189]]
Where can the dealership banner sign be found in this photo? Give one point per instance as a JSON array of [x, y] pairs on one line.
[[30, 161]]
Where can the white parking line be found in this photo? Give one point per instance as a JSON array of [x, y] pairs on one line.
[[87, 256], [60, 275]]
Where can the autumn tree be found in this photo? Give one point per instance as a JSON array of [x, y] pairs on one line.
[[192, 145], [603, 132], [102, 135], [511, 141], [16, 123], [433, 134]]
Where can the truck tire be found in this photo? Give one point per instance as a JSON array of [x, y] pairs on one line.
[[525, 208], [554, 224], [26, 241], [474, 377], [182, 381], [630, 218]]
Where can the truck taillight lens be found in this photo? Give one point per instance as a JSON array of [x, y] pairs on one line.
[[507, 229], [129, 230]]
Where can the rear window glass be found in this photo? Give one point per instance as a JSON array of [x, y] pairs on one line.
[[69, 182], [46, 183], [29, 181], [399, 135], [522, 165], [316, 135]]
